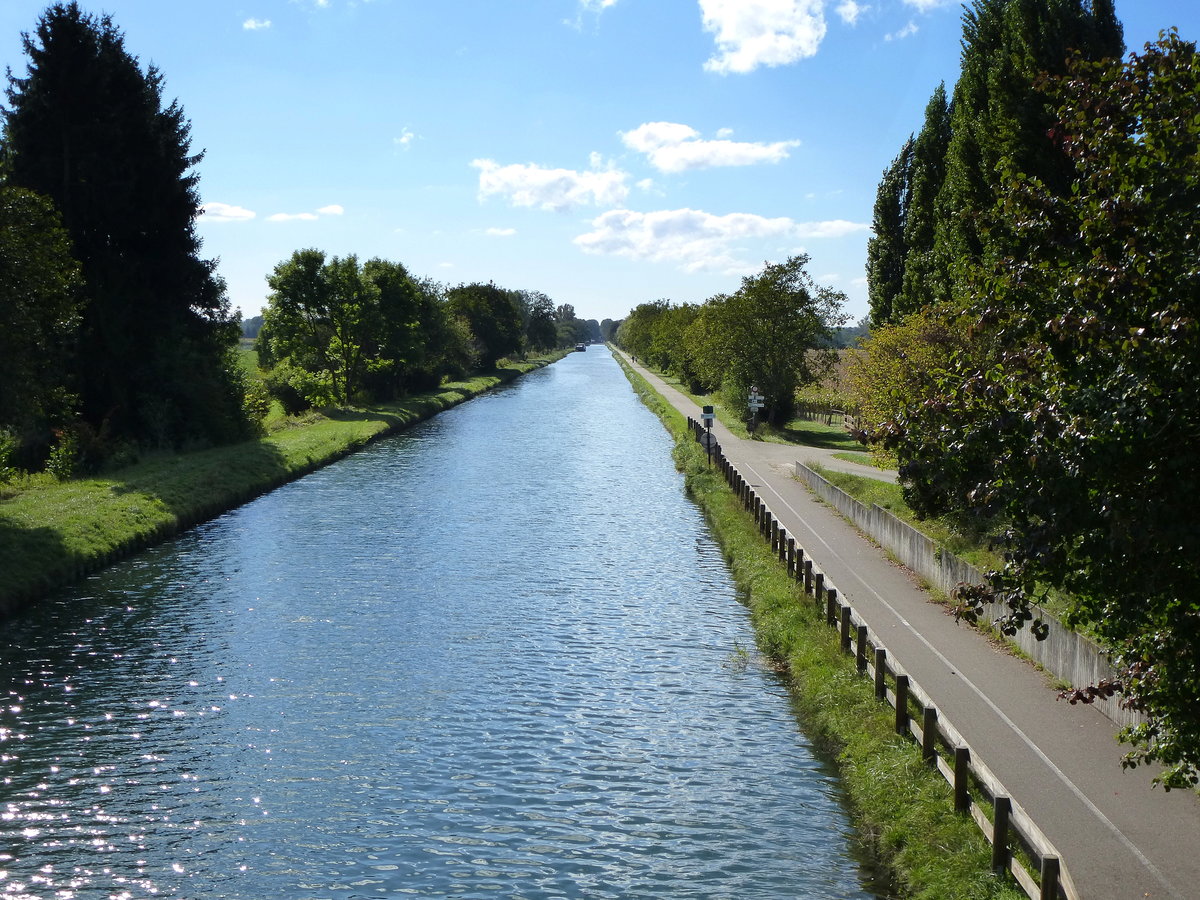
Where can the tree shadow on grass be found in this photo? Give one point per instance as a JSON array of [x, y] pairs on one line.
[[811, 434]]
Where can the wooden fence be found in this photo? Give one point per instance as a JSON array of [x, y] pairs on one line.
[[977, 791]]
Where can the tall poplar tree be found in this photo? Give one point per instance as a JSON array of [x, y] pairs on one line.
[[887, 249], [926, 276], [89, 129], [1001, 120]]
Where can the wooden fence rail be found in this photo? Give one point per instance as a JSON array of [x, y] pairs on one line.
[[977, 791]]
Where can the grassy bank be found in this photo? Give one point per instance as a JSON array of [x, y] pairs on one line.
[[52, 533], [903, 810]]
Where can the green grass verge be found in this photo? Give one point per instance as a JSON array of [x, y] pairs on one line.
[[52, 533], [903, 810]]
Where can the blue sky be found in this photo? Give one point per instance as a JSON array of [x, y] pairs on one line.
[[605, 152]]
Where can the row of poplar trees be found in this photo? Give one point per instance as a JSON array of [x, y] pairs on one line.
[[1034, 363], [113, 330]]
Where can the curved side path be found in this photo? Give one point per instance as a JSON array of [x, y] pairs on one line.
[[1119, 836]]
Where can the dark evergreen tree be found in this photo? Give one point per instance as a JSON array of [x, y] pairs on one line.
[[887, 250], [88, 128], [1001, 120], [926, 279]]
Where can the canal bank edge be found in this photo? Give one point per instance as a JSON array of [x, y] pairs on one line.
[[903, 815], [54, 535]]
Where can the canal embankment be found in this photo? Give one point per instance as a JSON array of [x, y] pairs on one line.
[[56, 533], [903, 808]]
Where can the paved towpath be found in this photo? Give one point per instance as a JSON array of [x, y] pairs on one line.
[[1119, 837]]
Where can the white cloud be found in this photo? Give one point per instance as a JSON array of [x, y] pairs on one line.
[[693, 239], [256, 24], [672, 147], [405, 140], [552, 189], [292, 217], [500, 232], [333, 209], [224, 212], [907, 31], [849, 10], [753, 33]]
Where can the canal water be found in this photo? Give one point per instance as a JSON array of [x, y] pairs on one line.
[[496, 656]]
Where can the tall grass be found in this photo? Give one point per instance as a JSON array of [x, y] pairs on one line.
[[903, 810]]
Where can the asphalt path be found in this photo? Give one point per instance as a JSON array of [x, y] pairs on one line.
[[1119, 836]]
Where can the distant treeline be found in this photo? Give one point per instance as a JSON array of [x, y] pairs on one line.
[[774, 334], [338, 331]]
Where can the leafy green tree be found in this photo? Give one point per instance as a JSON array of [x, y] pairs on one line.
[[887, 250], [1076, 421], [88, 129], [608, 329], [323, 317], [769, 333], [494, 316], [396, 342], [636, 332], [541, 329], [39, 304]]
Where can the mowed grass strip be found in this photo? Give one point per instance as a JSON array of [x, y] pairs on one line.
[[54, 532], [903, 810]]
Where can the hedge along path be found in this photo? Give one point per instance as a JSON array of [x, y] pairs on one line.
[[1005, 824], [55, 534]]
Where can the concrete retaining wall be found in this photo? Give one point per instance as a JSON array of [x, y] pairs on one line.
[[1066, 654]]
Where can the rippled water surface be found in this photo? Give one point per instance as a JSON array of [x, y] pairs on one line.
[[496, 656]]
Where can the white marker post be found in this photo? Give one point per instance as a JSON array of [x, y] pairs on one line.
[[755, 404]]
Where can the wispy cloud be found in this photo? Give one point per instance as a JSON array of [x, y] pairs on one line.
[[849, 10], [753, 33], [331, 210], [224, 212], [256, 24], [405, 140], [552, 189], [907, 31], [696, 240], [672, 147], [500, 232]]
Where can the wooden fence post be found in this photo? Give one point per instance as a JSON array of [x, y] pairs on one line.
[[880, 674], [818, 585], [860, 649], [791, 557], [808, 576], [1049, 878], [962, 793], [1002, 810], [902, 704], [929, 735], [846, 628]]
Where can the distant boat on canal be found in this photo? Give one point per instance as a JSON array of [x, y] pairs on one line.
[[581, 346]]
